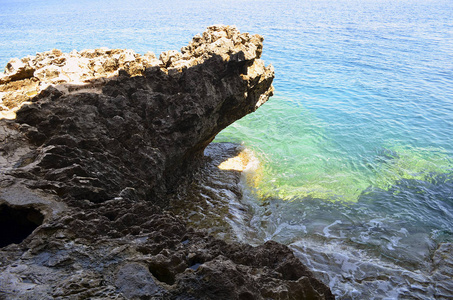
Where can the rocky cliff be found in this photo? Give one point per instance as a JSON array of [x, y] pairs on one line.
[[94, 144]]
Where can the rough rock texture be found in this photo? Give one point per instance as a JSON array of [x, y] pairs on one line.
[[86, 70], [93, 164], [95, 145], [132, 249]]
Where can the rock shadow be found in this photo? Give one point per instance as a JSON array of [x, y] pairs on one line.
[[17, 223]]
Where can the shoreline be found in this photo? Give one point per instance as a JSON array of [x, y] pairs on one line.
[[113, 158]]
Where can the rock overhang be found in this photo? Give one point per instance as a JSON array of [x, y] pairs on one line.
[[104, 137], [161, 112]]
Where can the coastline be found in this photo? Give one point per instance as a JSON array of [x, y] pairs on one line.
[[109, 153]]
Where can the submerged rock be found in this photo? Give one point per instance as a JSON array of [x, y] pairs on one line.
[[101, 141]]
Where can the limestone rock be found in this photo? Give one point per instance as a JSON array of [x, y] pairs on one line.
[[95, 153], [135, 281], [93, 144], [89, 69]]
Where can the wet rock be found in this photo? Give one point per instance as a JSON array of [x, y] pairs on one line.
[[443, 270], [101, 160]]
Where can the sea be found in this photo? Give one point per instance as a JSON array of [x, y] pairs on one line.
[[355, 148]]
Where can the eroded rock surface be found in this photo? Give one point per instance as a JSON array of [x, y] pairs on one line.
[[100, 151], [87, 71]]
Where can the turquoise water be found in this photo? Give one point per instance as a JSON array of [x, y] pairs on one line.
[[356, 146]]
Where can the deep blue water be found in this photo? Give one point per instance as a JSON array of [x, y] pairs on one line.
[[356, 146]]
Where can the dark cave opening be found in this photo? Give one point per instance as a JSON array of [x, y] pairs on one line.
[[17, 223]]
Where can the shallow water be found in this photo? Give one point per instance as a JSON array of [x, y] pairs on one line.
[[355, 149]]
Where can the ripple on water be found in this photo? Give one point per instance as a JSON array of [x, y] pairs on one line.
[[355, 150]]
